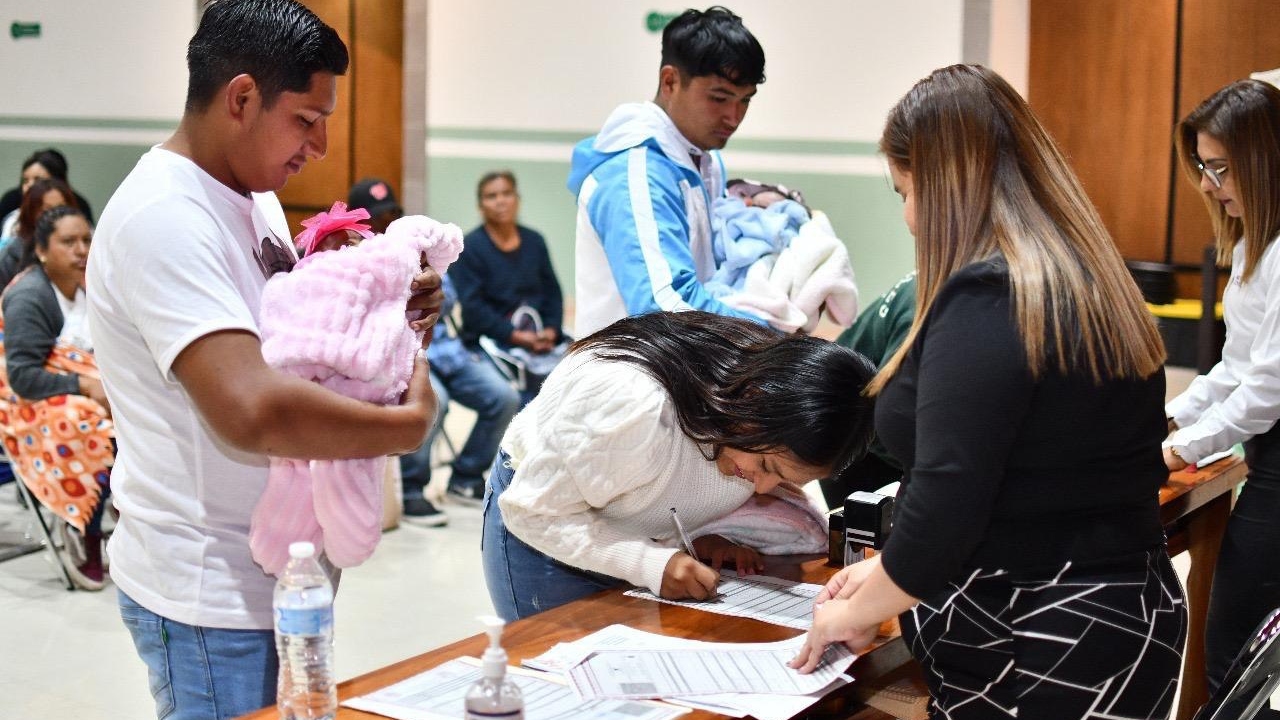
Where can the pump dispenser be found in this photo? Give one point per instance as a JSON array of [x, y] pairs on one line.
[[494, 695]]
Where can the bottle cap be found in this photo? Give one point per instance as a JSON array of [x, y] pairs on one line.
[[301, 549], [494, 661]]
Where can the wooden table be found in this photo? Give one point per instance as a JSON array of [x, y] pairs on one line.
[[534, 635], [1194, 506]]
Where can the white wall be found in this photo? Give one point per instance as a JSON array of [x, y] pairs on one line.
[[834, 67], [116, 59]]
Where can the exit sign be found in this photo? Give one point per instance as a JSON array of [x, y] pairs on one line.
[[20, 30], [655, 21]]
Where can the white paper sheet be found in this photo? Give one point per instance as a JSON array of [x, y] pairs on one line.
[[650, 673], [770, 599], [761, 706], [439, 693]]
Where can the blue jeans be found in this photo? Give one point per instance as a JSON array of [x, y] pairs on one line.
[[477, 385], [199, 673], [521, 580]]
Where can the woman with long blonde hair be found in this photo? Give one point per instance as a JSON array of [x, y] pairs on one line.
[[1229, 147], [1026, 407]]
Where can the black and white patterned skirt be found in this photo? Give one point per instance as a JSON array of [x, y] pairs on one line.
[[1097, 640]]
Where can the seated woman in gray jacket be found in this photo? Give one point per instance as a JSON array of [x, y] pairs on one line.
[[47, 353]]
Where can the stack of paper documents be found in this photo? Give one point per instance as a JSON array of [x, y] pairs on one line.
[[438, 694], [619, 671], [734, 679]]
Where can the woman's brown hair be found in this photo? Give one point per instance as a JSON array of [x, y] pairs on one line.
[[989, 181], [1245, 117]]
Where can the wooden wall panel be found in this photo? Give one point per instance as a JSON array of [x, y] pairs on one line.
[[377, 52], [1101, 78], [1222, 41], [323, 181], [364, 132]]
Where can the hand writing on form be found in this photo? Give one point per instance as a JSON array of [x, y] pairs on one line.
[[685, 577]]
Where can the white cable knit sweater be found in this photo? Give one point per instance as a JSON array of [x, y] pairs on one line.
[[599, 462]]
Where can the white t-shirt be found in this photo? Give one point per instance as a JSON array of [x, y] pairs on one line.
[[176, 256]]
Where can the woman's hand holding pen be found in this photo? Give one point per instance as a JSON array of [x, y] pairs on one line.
[[685, 578], [721, 551]]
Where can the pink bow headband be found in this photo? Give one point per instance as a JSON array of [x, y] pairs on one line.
[[321, 225]]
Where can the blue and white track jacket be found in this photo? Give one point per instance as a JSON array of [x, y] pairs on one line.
[[643, 228]]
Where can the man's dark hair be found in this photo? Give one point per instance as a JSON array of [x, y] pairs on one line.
[[713, 42], [280, 43]]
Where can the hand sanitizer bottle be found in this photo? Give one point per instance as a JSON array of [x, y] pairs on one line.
[[494, 695]]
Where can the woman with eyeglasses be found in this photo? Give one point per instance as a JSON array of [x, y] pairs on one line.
[[1230, 147]]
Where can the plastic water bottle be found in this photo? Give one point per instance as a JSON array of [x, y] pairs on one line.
[[303, 603], [494, 695]]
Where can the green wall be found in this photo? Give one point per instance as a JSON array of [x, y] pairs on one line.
[[95, 169], [864, 211]]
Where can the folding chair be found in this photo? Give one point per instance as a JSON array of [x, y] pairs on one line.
[[48, 529], [1254, 675], [517, 369]]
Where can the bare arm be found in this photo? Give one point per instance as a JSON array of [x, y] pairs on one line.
[[257, 409]]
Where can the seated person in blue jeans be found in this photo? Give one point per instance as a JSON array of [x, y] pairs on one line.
[[471, 379], [505, 268]]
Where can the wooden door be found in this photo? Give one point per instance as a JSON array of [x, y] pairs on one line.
[[1222, 41], [1101, 79], [366, 129]]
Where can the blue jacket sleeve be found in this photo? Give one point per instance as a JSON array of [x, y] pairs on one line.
[[644, 229]]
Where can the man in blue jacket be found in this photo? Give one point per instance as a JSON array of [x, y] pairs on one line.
[[646, 182]]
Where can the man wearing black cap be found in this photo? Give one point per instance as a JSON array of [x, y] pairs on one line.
[[379, 199]]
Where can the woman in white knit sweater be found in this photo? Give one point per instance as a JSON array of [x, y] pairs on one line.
[[692, 411]]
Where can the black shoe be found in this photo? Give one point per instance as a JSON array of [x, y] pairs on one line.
[[467, 490], [420, 511]]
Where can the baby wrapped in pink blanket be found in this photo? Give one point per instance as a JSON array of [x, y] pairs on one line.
[[339, 319]]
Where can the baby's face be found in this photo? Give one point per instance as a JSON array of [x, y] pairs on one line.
[[765, 198], [336, 240]]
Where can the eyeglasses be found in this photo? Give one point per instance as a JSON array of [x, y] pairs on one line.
[[1213, 173]]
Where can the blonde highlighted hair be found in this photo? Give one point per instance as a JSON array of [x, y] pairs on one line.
[[989, 181], [1245, 117]]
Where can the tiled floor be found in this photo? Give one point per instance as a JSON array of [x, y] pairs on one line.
[[66, 655]]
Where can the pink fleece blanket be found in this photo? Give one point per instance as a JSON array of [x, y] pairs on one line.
[[784, 522], [339, 319]]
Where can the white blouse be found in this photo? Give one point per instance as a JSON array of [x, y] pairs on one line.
[[75, 322], [1240, 397]]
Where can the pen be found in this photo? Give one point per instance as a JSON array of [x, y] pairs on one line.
[[684, 536], [688, 547]]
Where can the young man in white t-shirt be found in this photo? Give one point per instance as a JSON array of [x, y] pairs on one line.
[[180, 258]]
